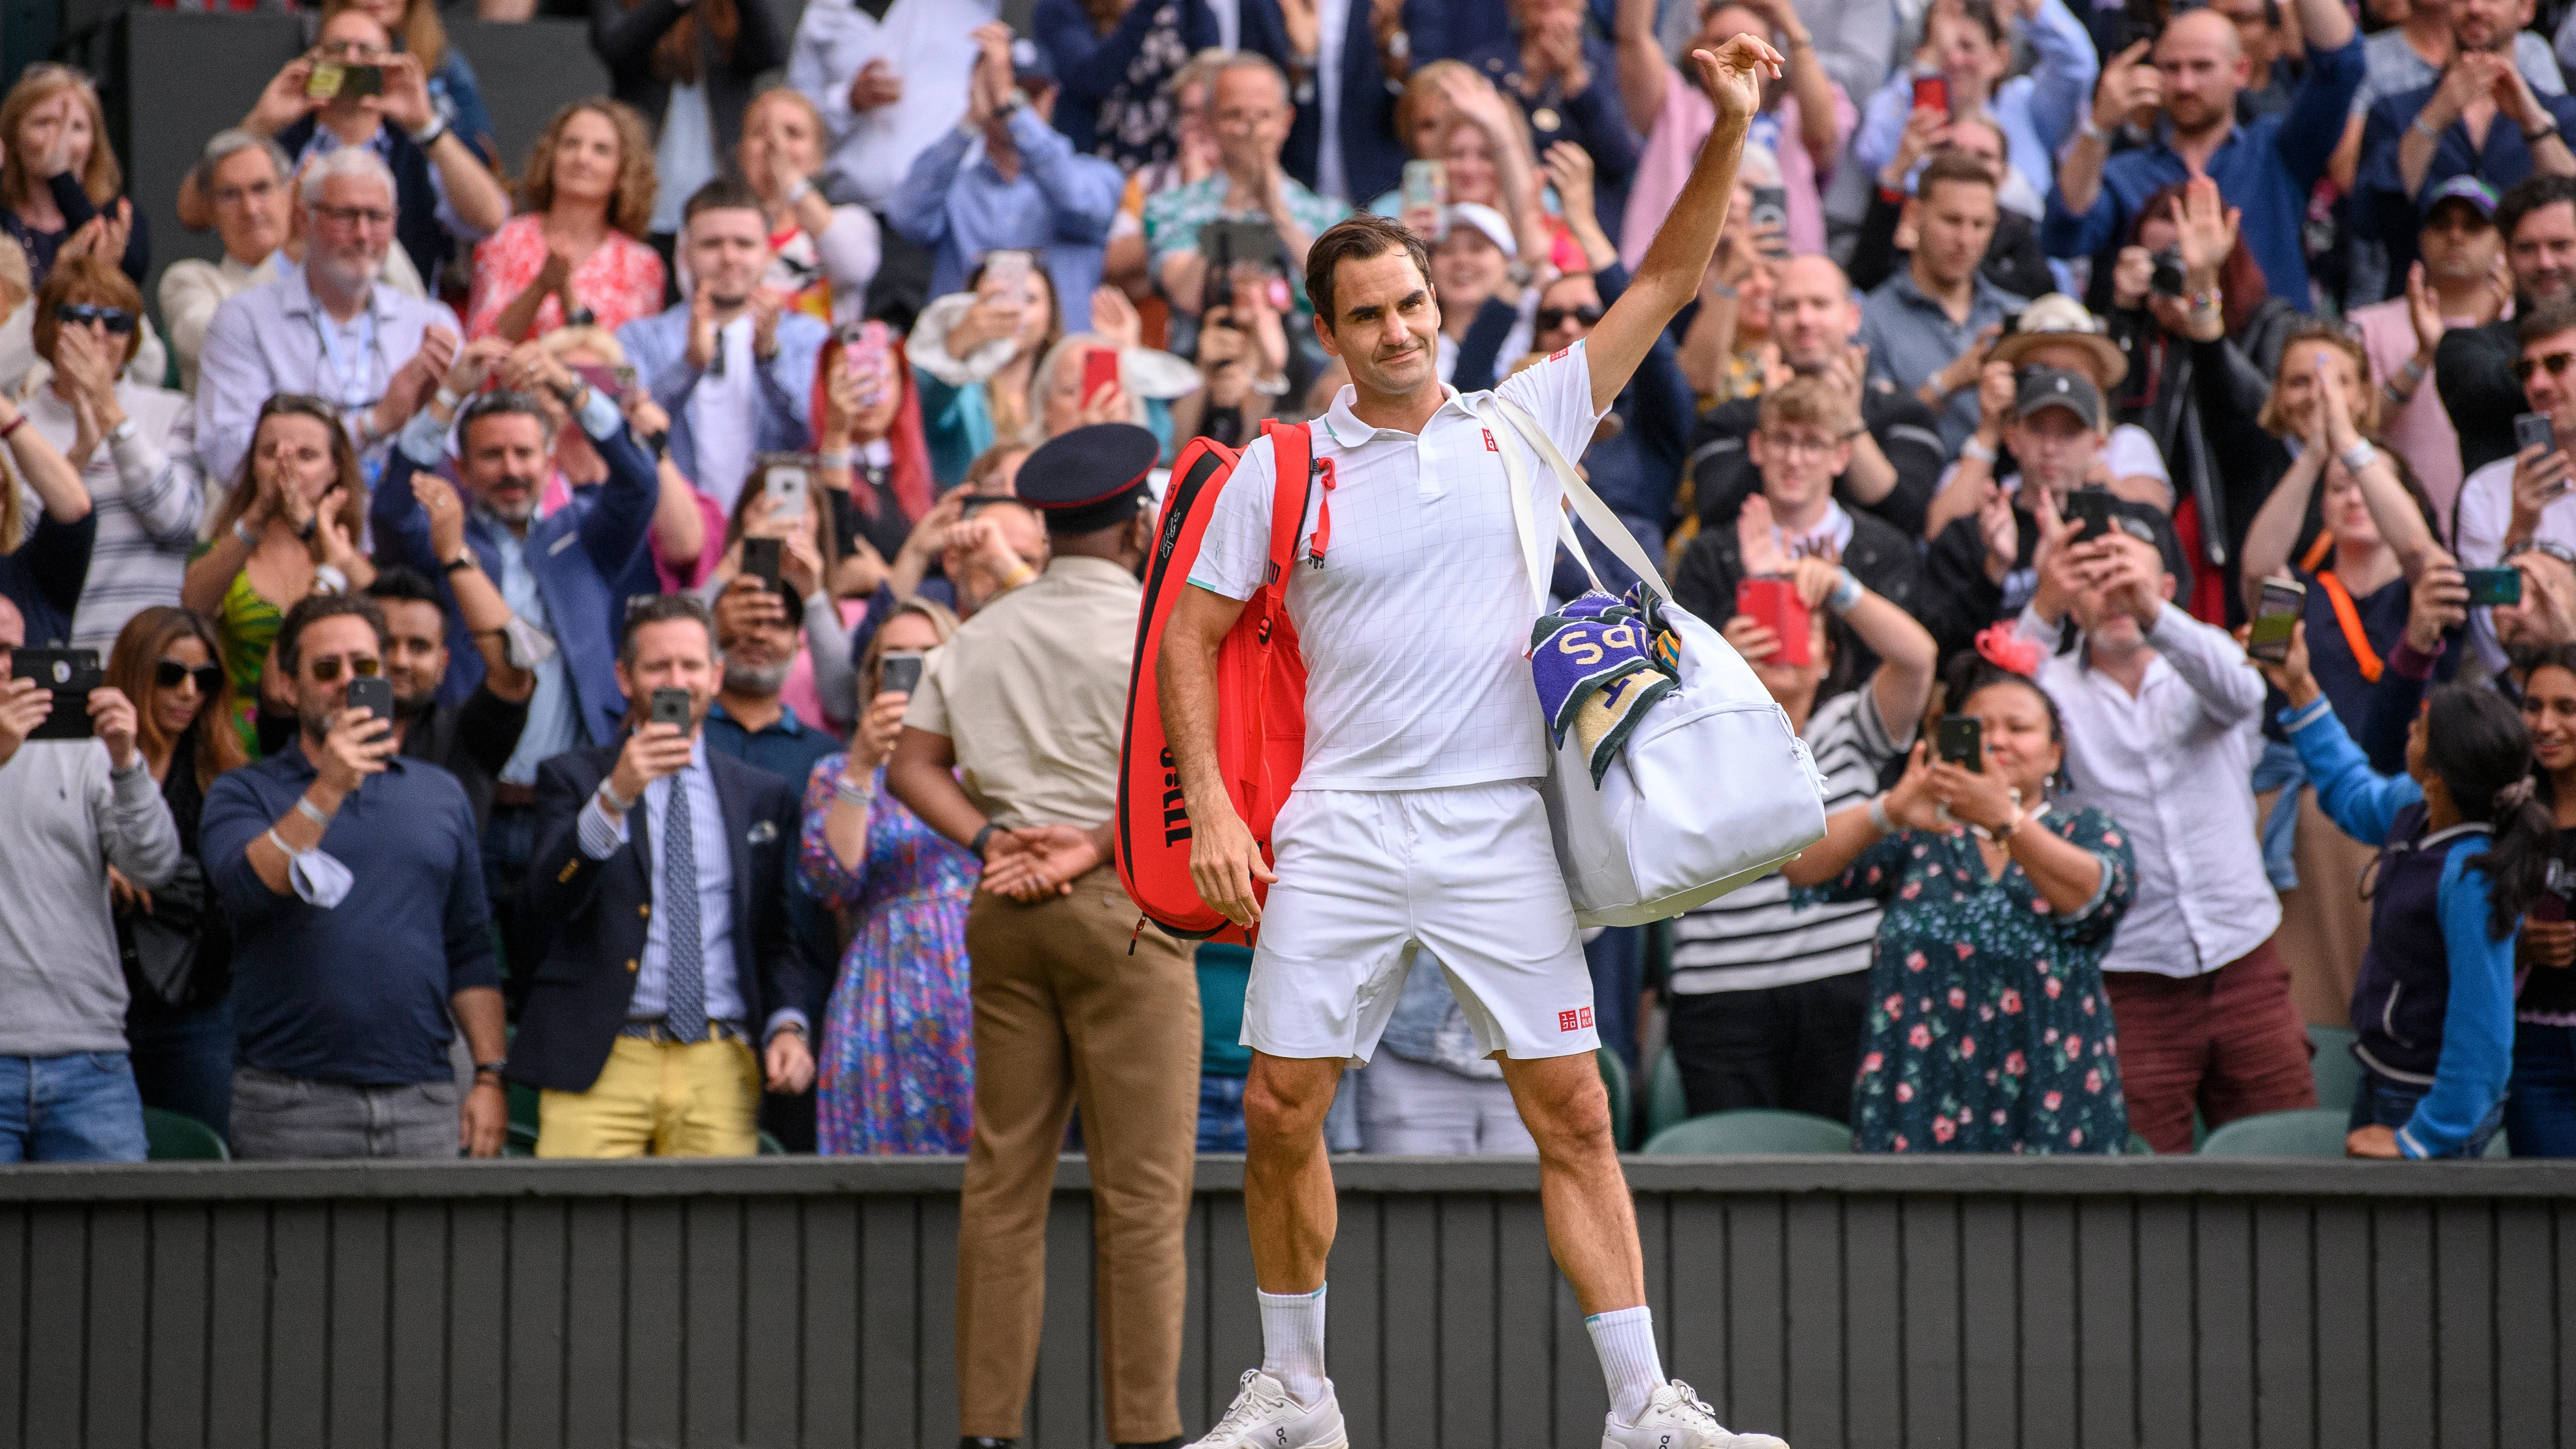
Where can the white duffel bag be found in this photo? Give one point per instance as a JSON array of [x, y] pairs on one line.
[[1712, 791]]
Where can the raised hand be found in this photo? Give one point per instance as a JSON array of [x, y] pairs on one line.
[[111, 717], [1757, 538], [2207, 230], [1569, 169], [357, 746], [2130, 86], [878, 83], [1925, 130], [1114, 319], [2437, 604], [406, 98], [24, 704], [283, 102], [1733, 75], [446, 515], [2424, 309]]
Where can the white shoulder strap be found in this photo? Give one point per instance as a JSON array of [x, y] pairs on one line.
[[1534, 550], [1596, 515]]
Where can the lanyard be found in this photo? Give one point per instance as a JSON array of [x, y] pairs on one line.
[[2350, 618], [347, 393]]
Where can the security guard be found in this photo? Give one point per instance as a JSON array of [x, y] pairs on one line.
[[1010, 747]]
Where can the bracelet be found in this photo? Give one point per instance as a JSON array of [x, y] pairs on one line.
[[1977, 450], [803, 188], [445, 399], [1019, 576], [123, 431], [2414, 371], [2209, 301], [284, 849], [2534, 138], [975, 847], [243, 532], [2427, 132], [15, 424], [1878, 816], [856, 795], [328, 579], [459, 564], [305, 807], [833, 460], [1845, 594], [2003, 834], [2359, 456], [2085, 128], [616, 803], [427, 136]]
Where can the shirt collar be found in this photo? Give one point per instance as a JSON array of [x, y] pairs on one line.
[[1347, 431], [1085, 566], [1981, 293], [299, 299], [785, 724]]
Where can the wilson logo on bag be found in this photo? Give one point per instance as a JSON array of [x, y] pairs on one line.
[[1260, 687]]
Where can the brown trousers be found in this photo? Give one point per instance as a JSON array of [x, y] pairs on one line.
[[1064, 1015]]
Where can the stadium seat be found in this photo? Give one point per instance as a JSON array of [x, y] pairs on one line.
[[2338, 1074], [177, 1137], [1754, 1130], [1623, 1099], [2313, 1132], [1666, 1104]]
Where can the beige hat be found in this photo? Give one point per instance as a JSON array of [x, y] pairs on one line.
[[2060, 318]]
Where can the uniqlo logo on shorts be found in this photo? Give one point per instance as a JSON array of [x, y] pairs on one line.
[[1489, 442], [1579, 1019]]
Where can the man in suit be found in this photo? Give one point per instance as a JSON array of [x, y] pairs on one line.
[[662, 868]]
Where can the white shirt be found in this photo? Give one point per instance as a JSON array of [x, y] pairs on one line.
[[928, 42], [270, 340], [145, 493], [2480, 518], [1332, 28], [1416, 629], [2172, 767], [191, 290], [724, 416]]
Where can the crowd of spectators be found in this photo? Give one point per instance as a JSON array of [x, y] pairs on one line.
[[655, 469]]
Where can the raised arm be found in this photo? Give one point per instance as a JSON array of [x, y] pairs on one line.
[[1643, 71], [1670, 273], [2275, 529]]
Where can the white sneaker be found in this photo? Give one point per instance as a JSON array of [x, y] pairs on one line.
[[1264, 1417], [1676, 1419]]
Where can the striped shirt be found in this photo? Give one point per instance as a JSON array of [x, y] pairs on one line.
[[146, 492], [1752, 938]]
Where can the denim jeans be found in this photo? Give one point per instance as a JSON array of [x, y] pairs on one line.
[[1220, 1113], [77, 1108], [2386, 1103], [183, 1059], [2540, 1114]]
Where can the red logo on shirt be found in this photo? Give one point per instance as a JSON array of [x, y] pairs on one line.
[[1560, 354], [1579, 1019], [1489, 442]]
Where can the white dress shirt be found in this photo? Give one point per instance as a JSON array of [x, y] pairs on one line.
[[271, 339], [928, 42], [2483, 513], [2172, 766]]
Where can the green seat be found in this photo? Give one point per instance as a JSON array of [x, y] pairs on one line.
[[2338, 1073], [1623, 1101], [1666, 1104], [177, 1137], [2312, 1132], [1753, 1130], [2138, 1147], [771, 1146]]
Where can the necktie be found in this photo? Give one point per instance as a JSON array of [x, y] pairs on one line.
[[685, 992]]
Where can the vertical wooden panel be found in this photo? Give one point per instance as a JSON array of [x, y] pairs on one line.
[[937, 1302], [1526, 1322], [772, 1312], [1874, 1394], [2346, 1344], [299, 1326], [175, 1355], [1989, 1341], [1576, 1392], [2402, 1379], [545, 1348], [657, 1304], [120, 1296], [850, 1397], [2526, 1325], [2106, 1288], [1352, 1326], [894, 1296], [57, 1272], [1928, 1233], [1757, 1308], [237, 1308], [417, 1327], [482, 1265], [359, 1264], [1191, 1383], [1813, 1344], [1062, 1411], [15, 1302], [2222, 1264], [595, 1293], [2165, 1325], [2464, 1314], [1467, 1326], [1409, 1353], [711, 1346], [1693, 1319], [2285, 1324], [2049, 1345]]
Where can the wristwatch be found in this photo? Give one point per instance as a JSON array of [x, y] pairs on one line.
[[975, 847], [493, 1067], [464, 560], [427, 136]]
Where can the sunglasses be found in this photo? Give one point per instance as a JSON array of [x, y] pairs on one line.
[[78, 314], [2555, 362], [1551, 318], [169, 672], [326, 669]]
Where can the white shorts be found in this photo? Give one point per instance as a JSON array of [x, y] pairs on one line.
[[1368, 877]]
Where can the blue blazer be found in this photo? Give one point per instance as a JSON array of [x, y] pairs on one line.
[[658, 346], [575, 552], [596, 912], [1373, 155]]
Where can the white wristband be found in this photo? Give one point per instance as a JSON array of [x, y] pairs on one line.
[[1979, 451], [617, 804], [1878, 816], [2359, 456]]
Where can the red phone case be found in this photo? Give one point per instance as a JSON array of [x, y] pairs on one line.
[[1099, 369], [1775, 605], [1932, 92]]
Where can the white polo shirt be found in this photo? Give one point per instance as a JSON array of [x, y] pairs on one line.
[[1416, 628]]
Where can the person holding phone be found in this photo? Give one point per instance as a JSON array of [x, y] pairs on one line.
[[2526, 496], [2540, 1105], [1250, 109], [1988, 1028], [1969, 47], [974, 356]]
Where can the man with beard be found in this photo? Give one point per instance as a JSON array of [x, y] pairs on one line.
[[2460, 283], [2188, 91], [2473, 367], [471, 740], [327, 328], [350, 877], [1927, 328], [554, 573]]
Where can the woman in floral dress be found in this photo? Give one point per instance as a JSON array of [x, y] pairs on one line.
[[898, 1067], [1989, 1029]]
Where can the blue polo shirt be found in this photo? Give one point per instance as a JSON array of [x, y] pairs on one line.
[[2384, 210], [787, 748], [358, 992], [2266, 167], [1910, 336]]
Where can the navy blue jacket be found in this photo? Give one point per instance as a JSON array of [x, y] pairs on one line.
[[45, 576], [597, 909], [577, 552]]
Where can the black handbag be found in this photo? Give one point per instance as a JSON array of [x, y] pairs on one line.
[[160, 948]]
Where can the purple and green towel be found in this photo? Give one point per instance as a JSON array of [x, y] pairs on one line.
[[1600, 664]]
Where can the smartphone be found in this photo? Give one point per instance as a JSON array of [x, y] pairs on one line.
[[785, 479], [1426, 184], [1009, 269], [2275, 615], [332, 80], [373, 693], [898, 673], [2490, 587], [1774, 604], [1961, 740], [2551, 903], [2091, 508], [1099, 370], [70, 674], [626, 378], [1932, 93], [670, 707], [2532, 430], [1771, 210], [760, 561], [2167, 278], [1229, 242]]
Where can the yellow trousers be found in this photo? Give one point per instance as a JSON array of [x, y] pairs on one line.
[[700, 1100]]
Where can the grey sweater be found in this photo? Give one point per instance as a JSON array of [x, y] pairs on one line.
[[63, 820]]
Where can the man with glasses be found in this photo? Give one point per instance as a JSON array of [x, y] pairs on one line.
[[2473, 368], [329, 327], [2525, 496], [1249, 109], [67, 1093], [355, 891], [245, 176]]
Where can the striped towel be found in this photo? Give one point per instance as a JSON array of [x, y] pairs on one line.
[[1600, 663]]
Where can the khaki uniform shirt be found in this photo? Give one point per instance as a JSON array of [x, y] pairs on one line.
[[1033, 691]]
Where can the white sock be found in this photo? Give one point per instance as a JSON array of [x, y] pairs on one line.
[[1626, 1342], [1292, 1342]]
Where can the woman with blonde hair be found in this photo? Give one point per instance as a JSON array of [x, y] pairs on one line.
[[59, 179], [575, 253], [823, 255]]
